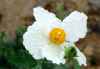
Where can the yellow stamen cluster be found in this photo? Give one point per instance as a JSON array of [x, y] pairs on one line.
[[57, 35]]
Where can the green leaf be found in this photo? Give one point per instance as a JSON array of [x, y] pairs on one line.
[[61, 66], [76, 64], [21, 59], [61, 11], [70, 52]]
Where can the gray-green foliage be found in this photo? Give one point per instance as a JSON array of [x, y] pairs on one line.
[[60, 11]]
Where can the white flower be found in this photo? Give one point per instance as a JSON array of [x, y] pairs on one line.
[[48, 35]]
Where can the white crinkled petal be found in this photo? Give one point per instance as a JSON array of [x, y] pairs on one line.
[[41, 14], [80, 57], [45, 19], [75, 25], [54, 54], [33, 41]]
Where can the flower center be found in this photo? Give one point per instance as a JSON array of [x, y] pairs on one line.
[[57, 35]]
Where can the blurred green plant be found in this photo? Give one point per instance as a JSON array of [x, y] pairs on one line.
[[61, 11]]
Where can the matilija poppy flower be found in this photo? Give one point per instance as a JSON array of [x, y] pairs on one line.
[[48, 36]]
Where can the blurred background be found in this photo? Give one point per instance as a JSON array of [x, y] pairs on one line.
[[18, 13]]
